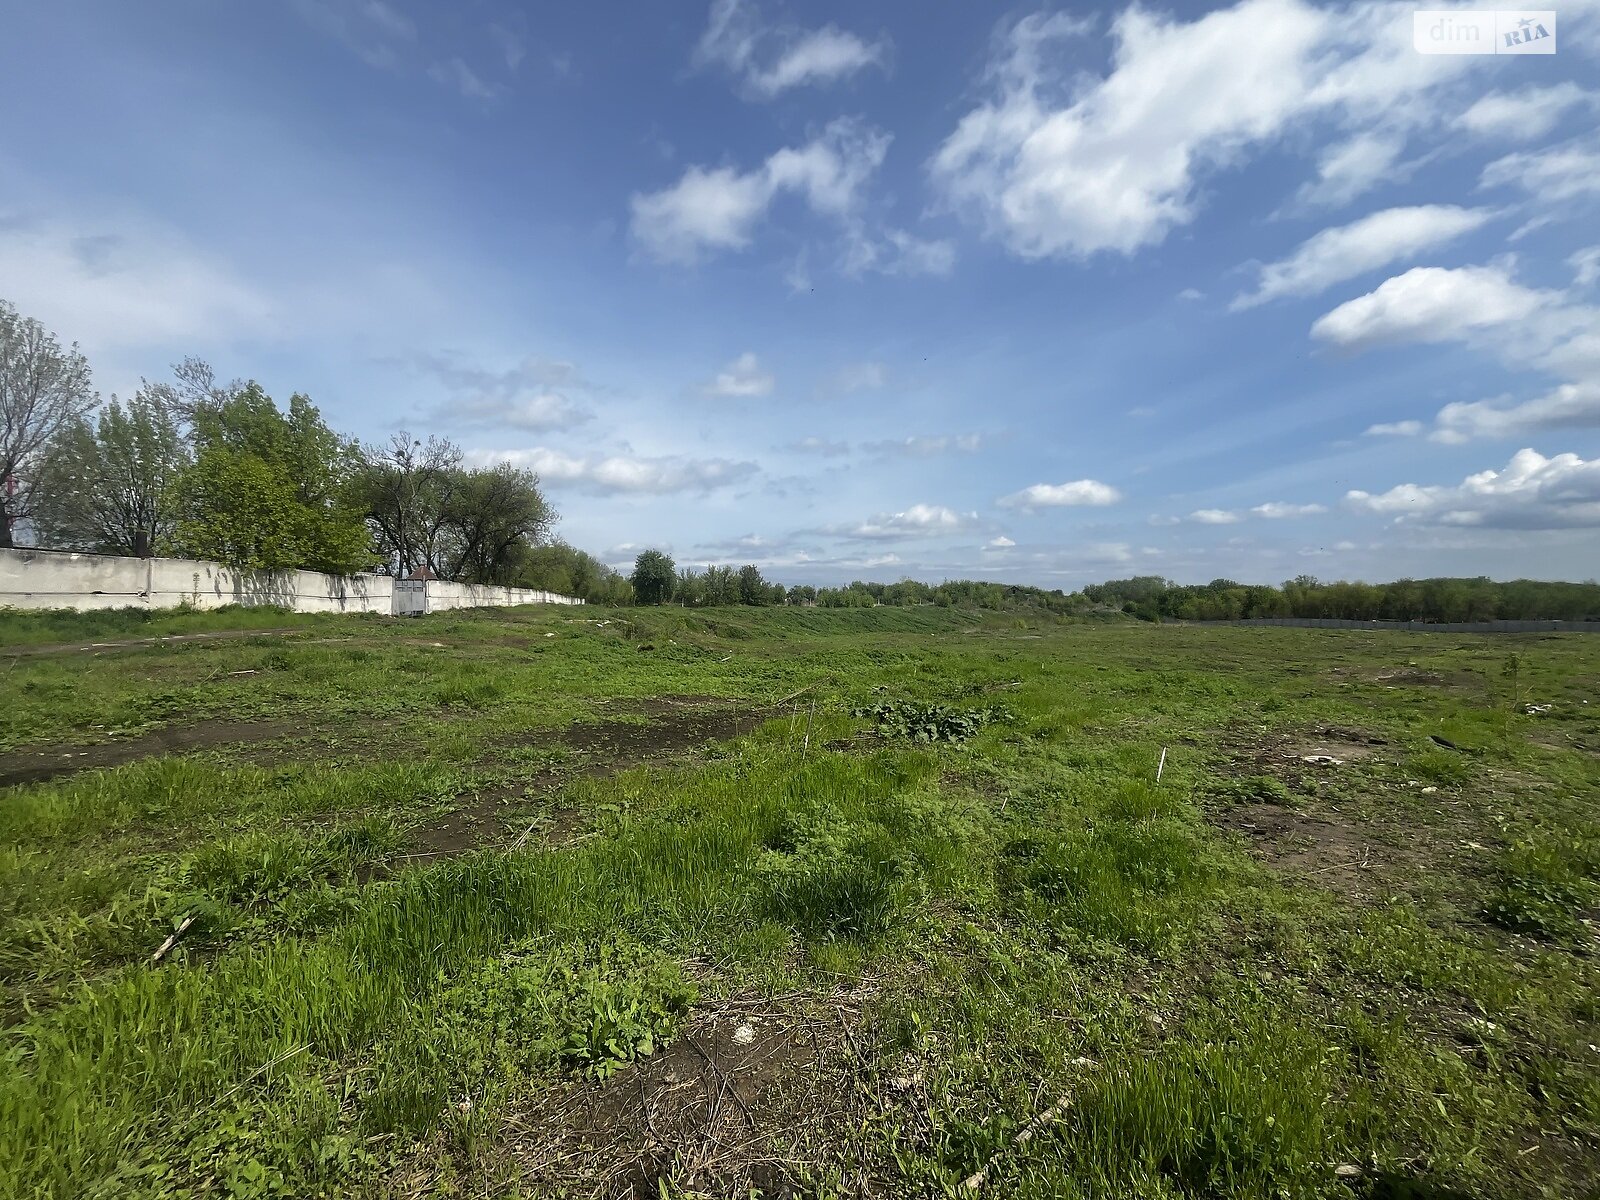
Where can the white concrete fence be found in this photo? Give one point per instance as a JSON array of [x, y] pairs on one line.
[[52, 579]]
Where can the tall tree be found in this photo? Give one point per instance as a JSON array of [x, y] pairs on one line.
[[479, 525], [111, 488], [193, 387], [495, 516], [270, 490], [653, 578], [43, 390], [407, 489], [752, 587]]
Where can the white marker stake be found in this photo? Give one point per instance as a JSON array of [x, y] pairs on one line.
[[1162, 765]]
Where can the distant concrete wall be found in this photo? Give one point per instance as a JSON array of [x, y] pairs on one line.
[[439, 596], [51, 579], [1421, 626]]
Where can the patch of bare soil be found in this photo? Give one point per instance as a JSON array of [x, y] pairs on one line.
[[744, 1099], [480, 821], [1413, 676], [678, 724], [1309, 838], [674, 727], [221, 635], [1327, 850], [1300, 758], [34, 766]]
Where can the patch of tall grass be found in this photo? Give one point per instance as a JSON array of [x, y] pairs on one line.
[[94, 1077]]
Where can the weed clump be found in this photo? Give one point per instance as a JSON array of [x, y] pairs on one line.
[[597, 1007], [929, 723]]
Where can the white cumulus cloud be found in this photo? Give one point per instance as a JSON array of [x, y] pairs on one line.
[[1352, 168], [622, 474], [1374, 241], [1531, 492], [1585, 266], [531, 395], [1430, 304], [1526, 115], [1275, 510], [920, 520], [1564, 172], [1486, 307], [1078, 492], [1214, 516], [718, 208], [927, 445], [769, 60], [1567, 406], [742, 379], [1055, 164]]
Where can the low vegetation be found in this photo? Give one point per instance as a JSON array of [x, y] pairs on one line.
[[680, 902], [1152, 598]]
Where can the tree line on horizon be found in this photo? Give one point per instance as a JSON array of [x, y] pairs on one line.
[[194, 468], [1152, 598], [1146, 597]]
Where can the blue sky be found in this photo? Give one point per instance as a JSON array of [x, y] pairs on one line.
[[865, 290]]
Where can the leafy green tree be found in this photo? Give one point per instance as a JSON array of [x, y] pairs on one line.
[[427, 510], [690, 590], [653, 578], [722, 586], [752, 588], [270, 490], [44, 391], [112, 488], [496, 515]]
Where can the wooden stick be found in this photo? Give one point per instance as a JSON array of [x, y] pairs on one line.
[[794, 695], [1162, 765], [183, 927], [806, 745], [981, 1176]]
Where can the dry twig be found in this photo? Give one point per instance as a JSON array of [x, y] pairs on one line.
[[183, 927]]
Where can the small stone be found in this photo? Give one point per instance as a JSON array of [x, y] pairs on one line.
[[1347, 1171]]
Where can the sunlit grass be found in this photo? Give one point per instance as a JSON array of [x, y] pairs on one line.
[[1017, 902]]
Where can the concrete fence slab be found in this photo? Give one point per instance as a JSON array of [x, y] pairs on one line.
[[39, 579]]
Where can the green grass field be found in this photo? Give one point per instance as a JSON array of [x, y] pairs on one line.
[[795, 902]]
